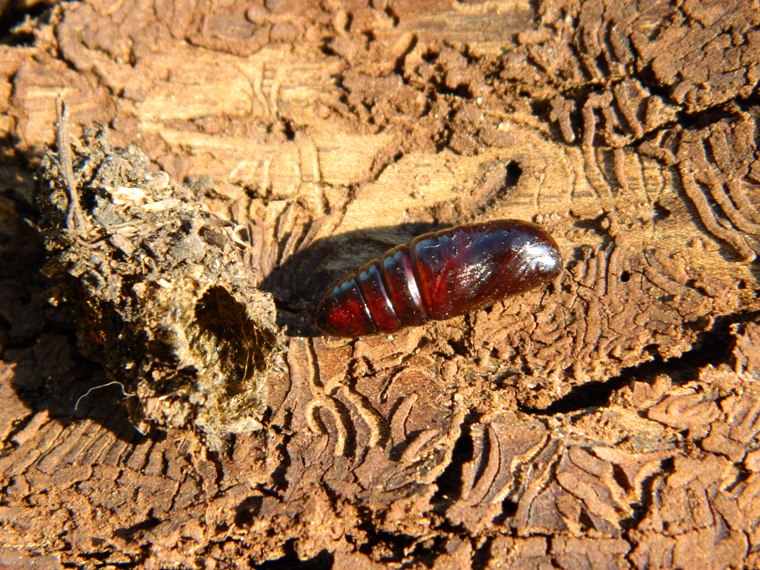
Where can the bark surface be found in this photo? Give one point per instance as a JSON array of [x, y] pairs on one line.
[[610, 420]]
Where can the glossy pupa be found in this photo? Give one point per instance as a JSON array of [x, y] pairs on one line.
[[440, 275]]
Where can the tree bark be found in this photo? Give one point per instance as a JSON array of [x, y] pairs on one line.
[[609, 420]]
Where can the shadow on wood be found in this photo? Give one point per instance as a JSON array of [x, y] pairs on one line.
[[298, 284]]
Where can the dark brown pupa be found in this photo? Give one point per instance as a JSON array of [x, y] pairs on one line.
[[440, 275]]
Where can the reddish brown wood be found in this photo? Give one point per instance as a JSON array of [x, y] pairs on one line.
[[610, 423]]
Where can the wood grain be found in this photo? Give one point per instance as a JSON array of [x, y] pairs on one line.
[[610, 421]]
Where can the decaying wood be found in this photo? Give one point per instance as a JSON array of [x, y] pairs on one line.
[[608, 421], [160, 289]]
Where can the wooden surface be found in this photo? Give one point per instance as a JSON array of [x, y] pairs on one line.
[[608, 421]]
